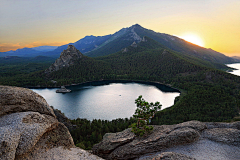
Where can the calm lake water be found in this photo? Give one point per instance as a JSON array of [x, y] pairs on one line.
[[236, 66], [111, 101]]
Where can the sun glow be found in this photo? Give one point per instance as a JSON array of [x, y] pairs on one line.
[[193, 38]]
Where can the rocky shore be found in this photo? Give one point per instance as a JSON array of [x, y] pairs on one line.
[[63, 90]]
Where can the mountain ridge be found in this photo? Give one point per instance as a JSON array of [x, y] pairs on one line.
[[171, 42], [95, 46]]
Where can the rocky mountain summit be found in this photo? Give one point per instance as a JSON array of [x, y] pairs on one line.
[[67, 58], [171, 142], [30, 130]]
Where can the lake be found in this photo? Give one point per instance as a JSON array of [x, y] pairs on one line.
[[106, 100], [236, 66]]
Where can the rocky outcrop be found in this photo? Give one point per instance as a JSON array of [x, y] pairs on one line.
[[125, 145], [134, 44], [63, 90], [29, 128], [15, 99], [66, 59], [226, 135]]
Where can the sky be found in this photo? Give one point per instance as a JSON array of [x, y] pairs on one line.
[[32, 23]]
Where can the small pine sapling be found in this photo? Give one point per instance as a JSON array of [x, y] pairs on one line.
[[144, 112]]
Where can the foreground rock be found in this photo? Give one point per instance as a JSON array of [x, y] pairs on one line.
[[15, 99], [124, 145], [29, 129]]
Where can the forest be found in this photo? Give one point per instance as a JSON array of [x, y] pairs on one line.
[[89, 132]]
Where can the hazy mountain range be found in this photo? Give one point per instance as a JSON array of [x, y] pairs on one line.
[[95, 46]]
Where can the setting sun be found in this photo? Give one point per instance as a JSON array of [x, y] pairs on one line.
[[193, 38]]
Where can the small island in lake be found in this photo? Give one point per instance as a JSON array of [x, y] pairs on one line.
[[63, 90]]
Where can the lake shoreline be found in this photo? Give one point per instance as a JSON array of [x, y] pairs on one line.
[[100, 98], [106, 82], [235, 69]]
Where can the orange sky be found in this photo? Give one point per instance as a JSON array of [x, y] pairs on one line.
[[41, 22]]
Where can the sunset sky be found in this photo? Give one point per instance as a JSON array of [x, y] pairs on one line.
[[32, 23]]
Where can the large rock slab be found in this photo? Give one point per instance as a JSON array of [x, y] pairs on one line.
[[199, 126], [211, 125], [16, 99], [61, 153], [19, 132], [111, 141], [116, 146], [154, 143], [225, 135]]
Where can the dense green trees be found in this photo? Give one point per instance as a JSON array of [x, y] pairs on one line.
[[89, 132]]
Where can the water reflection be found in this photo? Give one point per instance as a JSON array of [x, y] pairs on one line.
[[237, 67], [115, 100]]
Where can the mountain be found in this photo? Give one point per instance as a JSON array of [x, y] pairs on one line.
[[146, 60], [84, 45], [66, 59], [236, 57], [45, 48], [24, 52], [28, 52], [135, 34], [95, 46]]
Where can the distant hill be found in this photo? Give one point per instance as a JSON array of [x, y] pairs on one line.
[[45, 48], [28, 52], [84, 45], [236, 57]]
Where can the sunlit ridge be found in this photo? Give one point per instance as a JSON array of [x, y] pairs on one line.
[[193, 38]]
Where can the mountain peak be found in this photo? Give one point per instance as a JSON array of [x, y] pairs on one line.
[[71, 47], [66, 59], [136, 25]]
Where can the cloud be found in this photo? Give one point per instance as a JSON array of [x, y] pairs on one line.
[[4, 47]]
